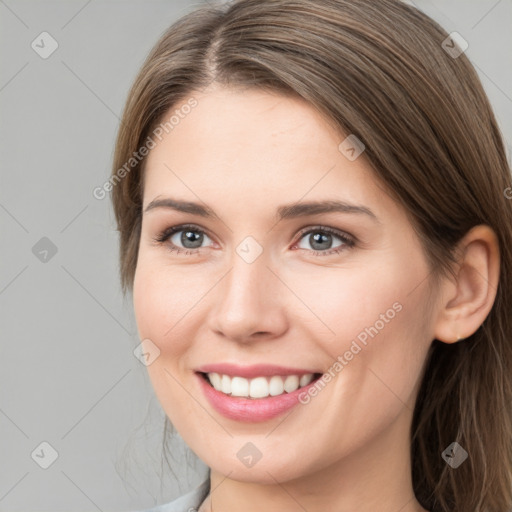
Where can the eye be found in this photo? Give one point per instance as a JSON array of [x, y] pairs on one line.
[[189, 238], [320, 239], [185, 237]]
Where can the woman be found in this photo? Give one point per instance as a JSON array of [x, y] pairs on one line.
[[312, 205]]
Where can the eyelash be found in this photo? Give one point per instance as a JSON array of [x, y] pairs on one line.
[[163, 238]]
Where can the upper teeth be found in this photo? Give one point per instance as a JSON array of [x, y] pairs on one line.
[[259, 387]]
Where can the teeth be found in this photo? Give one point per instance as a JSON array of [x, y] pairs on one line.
[[291, 383], [276, 386], [305, 379], [259, 387], [225, 384], [215, 380], [239, 386]]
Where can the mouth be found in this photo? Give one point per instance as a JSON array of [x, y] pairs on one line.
[[260, 386]]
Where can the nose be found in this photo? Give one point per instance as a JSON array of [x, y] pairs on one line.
[[250, 302]]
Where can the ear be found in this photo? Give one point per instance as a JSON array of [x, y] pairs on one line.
[[466, 302]]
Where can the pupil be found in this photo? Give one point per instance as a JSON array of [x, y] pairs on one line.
[[318, 239], [195, 239]]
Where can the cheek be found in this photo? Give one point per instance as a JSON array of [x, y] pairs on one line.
[[148, 307], [345, 301], [376, 319], [162, 303]]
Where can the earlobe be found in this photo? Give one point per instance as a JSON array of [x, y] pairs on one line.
[[467, 301]]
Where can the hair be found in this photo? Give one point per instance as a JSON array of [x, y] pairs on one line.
[[377, 70]]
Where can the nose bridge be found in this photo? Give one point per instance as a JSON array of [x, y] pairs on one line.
[[247, 284], [247, 301]]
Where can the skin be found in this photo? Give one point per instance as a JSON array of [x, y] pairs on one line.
[[244, 154]]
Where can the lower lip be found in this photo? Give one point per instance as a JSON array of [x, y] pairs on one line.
[[251, 410]]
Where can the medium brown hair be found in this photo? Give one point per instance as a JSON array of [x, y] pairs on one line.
[[377, 70]]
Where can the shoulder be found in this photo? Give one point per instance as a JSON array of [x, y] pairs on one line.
[[189, 502]]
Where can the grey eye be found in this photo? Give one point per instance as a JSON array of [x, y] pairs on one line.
[[188, 238]]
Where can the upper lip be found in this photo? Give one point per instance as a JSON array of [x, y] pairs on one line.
[[256, 370]]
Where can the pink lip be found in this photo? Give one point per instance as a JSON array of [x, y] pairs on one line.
[[251, 410], [249, 372]]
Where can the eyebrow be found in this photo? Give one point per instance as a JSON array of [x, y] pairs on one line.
[[283, 212]]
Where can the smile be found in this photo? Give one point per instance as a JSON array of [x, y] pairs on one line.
[[258, 387]]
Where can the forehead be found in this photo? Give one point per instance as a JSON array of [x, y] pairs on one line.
[[255, 148]]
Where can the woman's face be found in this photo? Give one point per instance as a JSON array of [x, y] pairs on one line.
[[264, 287]]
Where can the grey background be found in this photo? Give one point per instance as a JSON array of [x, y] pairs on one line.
[[68, 375]]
